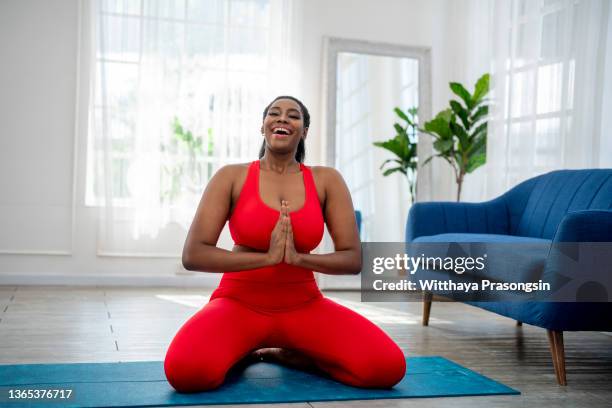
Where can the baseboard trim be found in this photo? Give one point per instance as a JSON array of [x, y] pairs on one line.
[[202, 280]]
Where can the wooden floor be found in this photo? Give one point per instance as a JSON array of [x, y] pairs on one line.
[[65, 324]]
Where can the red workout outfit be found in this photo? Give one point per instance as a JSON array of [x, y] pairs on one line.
[[278, 306]]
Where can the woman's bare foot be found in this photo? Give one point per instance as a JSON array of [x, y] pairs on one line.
[[290, 358]]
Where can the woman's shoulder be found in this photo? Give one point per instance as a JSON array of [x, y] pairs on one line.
[[325, 171], [235, 166], [326, 176], [232, 172]]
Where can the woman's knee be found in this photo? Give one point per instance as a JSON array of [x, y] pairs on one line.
[[189, 375], [380, 370], [394, 368]]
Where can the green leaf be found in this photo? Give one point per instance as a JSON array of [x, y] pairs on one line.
[[393, 145], [399, 129], [443, 145], [460, 91], [401, 114], [401, 145], [413, 150], [393, 170], [177, 126], [440, 124], [475, 162], [461, 112], [396, 161], [480, 112], [478, 146], [446, 114], [461, 134], [458, 159], [482, 87], [189, 136], [484, 100], [479, 129], [385, 162], [430, 158], [476, 156]]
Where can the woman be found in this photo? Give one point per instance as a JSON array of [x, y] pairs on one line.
[[268, 303]]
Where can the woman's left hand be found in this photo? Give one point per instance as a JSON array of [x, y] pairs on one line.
[[291, 255]]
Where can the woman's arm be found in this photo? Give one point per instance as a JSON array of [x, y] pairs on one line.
[[342, 226], [200, 252]]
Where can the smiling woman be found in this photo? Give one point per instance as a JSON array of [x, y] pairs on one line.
[[268, 297], [297, 115]]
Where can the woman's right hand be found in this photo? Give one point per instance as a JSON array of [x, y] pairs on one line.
[[276, 251]]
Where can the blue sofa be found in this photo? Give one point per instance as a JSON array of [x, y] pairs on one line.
[[560, 206]]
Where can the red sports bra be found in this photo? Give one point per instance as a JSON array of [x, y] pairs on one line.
[[252, 221]]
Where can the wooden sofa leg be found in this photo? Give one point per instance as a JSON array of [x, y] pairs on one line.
[[427, 296], [557, 351]]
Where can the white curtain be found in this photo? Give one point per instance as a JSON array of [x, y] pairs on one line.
[[178, 91], [547, 71]]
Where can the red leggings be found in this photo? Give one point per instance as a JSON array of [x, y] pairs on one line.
[[243, 318]]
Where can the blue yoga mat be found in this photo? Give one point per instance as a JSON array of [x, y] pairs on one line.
[[143, 384]]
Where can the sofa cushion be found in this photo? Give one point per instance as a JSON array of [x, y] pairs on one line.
[[508, 258], [559, 192]]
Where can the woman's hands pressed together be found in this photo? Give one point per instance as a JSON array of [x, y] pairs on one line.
[[276, 251], [291, 255], [282, 247]]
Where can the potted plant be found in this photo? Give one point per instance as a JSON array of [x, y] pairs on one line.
[[404, 146], [184, 176], [460, 132]]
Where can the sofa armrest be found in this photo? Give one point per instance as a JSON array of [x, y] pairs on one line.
[[578, 262], [585, 226], [436, 217]]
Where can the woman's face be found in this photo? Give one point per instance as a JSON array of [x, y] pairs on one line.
[[283, 126]]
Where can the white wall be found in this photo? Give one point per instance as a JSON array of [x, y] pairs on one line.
[[42, 156], [44, 237], [605, 149], [36, 75]]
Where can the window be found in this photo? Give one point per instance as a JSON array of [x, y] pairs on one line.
[[178, 92], [537, 80]]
